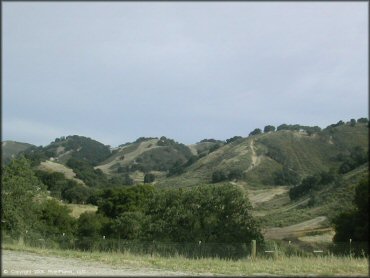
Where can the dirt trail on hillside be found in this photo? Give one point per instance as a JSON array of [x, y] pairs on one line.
[[296, 230], [17, 263], [256, 160]]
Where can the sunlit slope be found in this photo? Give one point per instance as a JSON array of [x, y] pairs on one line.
[[51, 166], [260, 157], [146, 155]]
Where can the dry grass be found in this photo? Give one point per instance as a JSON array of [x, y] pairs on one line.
[[128, 157], [50, 166], [322, 266], [77, 209], [265, 195], [296, 230]]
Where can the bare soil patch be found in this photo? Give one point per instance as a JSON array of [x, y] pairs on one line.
[[265, 195], [20, 263], [297, 230]]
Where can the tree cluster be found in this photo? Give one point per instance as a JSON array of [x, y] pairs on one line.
[[310, 183], [62, 188], [287, 176], [356, 157], [223, 175], [354, 224], [233, 139], [25, 207], [256, 131], [205, 213]]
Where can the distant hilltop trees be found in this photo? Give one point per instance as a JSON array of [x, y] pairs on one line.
[[308, 129]]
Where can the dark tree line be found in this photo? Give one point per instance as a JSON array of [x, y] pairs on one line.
[[354, 224], [210, 214], [310, 183], [223, 175], [356, 157]]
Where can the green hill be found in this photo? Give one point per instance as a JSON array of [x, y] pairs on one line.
[[11, 149], [295, 177], [276, 158], [146, 155]]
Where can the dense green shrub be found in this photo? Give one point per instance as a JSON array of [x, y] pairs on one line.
[[255, 132], [286, 176], [356, 157], [310, 183], [268, 128], [233, 139], [204, 213], [354, 224], [20, 186], [149, 178], [219, 176]]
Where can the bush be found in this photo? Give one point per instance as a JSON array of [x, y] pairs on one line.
[[268, 128], [149, 178], [354, 224], [286, 176], [207, 213], [255, 132], [54, 220], [232, 139], [218, 176], [20, 186]]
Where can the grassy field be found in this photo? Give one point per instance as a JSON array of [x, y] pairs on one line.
[[322, 266], [77, 209]]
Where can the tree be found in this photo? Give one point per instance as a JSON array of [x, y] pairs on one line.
[[90, 227], [218, 175], [286, 176], [269, 128], [235, 174], [255, 132], [149, 178], [306, 186], [77, 194], [128, 225], [352, 122], [20, 186], [206, 213], [114, 202], [282, 127], [232, 139], [363, 120], [176, 169], [354, 224], [54, 220]]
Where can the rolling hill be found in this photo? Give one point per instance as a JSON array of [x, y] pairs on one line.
[[10, 149], [266, 165], [262, 158]]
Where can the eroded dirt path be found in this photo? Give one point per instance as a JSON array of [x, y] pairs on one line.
[[255, 158], [20, 263], [296, 230]]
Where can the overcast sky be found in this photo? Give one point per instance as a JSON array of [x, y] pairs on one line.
[[120, 70]]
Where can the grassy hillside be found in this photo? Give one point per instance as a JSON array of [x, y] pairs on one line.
[[146, 155], [298, 180], [324, 204], [262, 157], [10, 149]]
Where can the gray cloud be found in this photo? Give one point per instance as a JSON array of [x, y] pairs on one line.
[[117, 71]]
